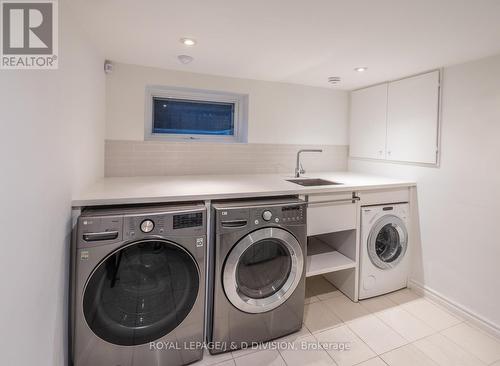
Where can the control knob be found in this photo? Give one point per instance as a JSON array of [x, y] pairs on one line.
[[267, 215], [147, 226]]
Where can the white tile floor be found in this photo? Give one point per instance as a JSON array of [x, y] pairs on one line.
[[396, 329]]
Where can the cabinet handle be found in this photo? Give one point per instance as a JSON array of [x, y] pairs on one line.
[[347, 200]]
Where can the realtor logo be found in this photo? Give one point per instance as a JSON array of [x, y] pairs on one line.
[[29, 35]]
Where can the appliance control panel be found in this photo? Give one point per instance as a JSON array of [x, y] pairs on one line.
[[98, 227], [231, 218], [138, 226], [293, 214]]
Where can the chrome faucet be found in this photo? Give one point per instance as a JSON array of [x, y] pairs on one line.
[[298, 167]]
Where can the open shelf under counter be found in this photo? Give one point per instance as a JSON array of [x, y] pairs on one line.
[[322, 258]]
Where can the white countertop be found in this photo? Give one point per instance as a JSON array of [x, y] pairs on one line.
[[129, 190]]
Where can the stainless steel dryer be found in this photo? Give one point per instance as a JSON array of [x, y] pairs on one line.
[[259, 271], [139, 286]]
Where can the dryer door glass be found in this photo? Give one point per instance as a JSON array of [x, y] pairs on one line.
[[141, 292], [263, 269], [387, 242]]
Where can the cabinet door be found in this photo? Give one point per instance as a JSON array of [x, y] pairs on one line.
[[368, 122], [412, 119]]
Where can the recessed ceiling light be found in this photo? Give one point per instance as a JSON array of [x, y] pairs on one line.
[[185, 59], [334, 79], [361, 69], [188, 41]]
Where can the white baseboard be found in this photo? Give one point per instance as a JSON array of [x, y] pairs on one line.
[[455, 308]]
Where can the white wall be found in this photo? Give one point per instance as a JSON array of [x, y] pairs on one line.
[[51, 145], [459, 202], [279, 113]]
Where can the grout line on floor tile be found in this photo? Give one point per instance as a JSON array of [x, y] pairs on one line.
[[459, 345], [283, 358], [250, 351], [444, 308], [362, 340], [404, 345], [328, 328], [304, 326], [434, 331], [328, 353], [376, 357], [451, 326], [472, 325]]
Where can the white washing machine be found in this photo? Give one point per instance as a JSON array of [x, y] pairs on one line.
[[384, 255]]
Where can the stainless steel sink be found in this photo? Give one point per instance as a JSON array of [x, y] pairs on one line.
[[309, 182]]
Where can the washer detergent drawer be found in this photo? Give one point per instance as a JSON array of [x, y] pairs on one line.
[[330, 213]]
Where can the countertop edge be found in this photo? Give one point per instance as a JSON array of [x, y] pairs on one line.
[[77, 203]]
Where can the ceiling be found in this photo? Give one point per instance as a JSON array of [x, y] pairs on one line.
[[295, 41]]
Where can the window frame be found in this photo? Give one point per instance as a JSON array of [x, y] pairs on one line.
[[240, 113]]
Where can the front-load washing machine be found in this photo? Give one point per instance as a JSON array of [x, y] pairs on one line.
[[259, 272], [139, 280], [384, 255]]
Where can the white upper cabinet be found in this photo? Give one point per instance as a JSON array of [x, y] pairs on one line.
[[368, 122], [412, 119], [397, 121]]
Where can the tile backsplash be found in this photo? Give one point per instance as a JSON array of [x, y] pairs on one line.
[[143, 158]]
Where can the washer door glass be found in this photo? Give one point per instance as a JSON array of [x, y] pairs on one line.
[[263, 270], [141, 292], [387, 242]]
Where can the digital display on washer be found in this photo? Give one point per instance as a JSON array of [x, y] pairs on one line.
[[188, 220], [290, 208]]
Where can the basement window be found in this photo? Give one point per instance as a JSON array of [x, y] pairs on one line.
[[195, 115]]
